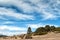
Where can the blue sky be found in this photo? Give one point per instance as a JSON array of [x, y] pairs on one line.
[[17, 15]]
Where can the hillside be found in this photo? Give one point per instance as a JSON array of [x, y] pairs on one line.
[[49, 36]]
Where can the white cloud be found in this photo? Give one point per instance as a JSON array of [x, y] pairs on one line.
[[18, 3], [11, 28], [40, 25], [11, 33], [10, 12], [40, 6], [49, 16], [35, 25], [53, 25], [27, 8]]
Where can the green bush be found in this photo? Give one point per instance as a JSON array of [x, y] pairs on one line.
[[57, 29], [40, 31], [29, 34]]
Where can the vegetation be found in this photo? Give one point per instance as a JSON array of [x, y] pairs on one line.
[[57, 29], [38, 31], [3, 36], [46, 29], [29, 30], [53, 28], [29, 34]]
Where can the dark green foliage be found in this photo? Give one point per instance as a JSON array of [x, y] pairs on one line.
[[52, 28], [3, 36], [15, 37], [29, 31], [57, 29], [40, 31], [47, 28], [29, 34]]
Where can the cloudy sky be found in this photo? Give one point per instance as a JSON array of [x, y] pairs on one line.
[[17, 15]]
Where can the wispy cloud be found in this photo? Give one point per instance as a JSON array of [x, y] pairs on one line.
[[26, 10], [49, 16], [52, 7], [28, 6], [11, 13]]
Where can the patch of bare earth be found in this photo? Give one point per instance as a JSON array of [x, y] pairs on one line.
[[49, 36]]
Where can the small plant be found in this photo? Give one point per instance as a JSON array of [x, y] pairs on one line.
[[15, 37], [22, 36]]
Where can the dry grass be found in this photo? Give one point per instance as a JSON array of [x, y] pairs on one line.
[[49, 36]]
